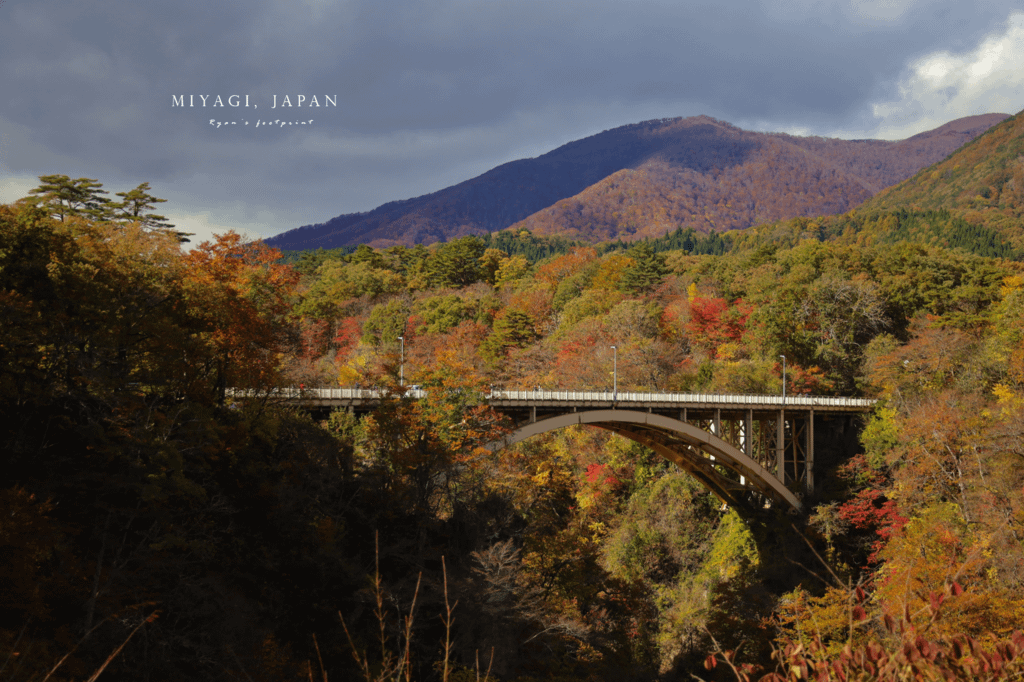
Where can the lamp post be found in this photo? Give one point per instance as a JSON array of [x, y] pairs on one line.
[[783, 379], [401, 366], [615, 374]]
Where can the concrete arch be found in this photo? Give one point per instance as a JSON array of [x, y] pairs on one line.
[[700, 453]]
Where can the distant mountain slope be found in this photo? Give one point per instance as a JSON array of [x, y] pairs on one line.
[[883, 163], [976, 197], [972, 200], [648, 178], [983, 182], [779, 177]]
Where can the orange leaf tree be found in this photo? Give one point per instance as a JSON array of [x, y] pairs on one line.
[[241, 299]]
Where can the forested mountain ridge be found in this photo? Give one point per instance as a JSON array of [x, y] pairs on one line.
[[975, 176], [973, 200], [982, 183], [646, 179], [781, 176]]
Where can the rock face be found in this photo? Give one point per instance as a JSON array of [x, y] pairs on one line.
[[648, 178]]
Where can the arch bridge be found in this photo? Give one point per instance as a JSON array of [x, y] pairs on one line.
[[752, 451]]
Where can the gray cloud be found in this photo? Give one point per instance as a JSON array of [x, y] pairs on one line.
[[432, 92]]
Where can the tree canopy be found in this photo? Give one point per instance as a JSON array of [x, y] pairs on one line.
[[157, 519]]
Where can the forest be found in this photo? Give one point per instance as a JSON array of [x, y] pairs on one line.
[[153, 527]]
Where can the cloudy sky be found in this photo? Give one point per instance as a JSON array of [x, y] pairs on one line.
[[433, 92]]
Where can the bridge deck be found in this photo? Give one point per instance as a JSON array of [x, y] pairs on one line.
[[544, 400], [638, 400]]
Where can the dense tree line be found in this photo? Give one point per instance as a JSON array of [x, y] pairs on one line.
[[681, 239], [943, 227]]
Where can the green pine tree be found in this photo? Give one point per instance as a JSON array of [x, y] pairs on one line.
[[647, 271]]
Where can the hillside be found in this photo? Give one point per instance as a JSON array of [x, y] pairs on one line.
[[982, 184], [985, 174], [647, 178], [778, 177], [973, 200]]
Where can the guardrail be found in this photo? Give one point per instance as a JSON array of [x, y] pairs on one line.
[[689, 398], [620, 398]]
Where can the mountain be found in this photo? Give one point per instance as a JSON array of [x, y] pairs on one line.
[[973, 200], [648, 178], [777, 177], [982, 184]]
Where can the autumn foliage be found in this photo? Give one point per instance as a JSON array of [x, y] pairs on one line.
[[158, 521]]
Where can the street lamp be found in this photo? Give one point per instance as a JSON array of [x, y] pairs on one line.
[[783, 379], [615, 374], [401, 367]]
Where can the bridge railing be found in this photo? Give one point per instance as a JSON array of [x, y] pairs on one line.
[[296, 393], [688, 398], [600, 397]]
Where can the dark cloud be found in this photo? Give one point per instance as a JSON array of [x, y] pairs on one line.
[[429, 92]]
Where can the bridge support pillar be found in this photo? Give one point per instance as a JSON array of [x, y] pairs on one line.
[[780, 446], [809, 467], [748, 434], [533, 414]]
